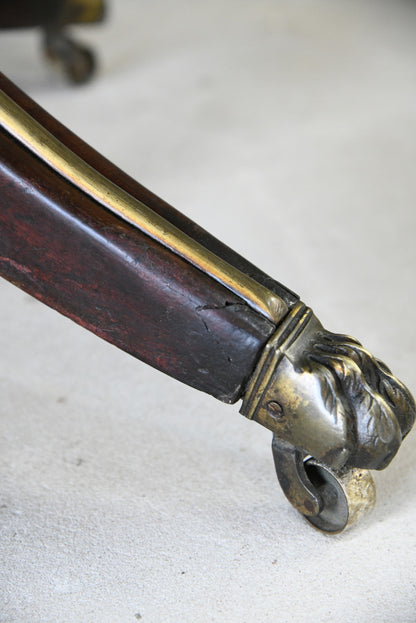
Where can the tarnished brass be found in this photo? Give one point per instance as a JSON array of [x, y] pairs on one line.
[[324, 396], [38, 140]]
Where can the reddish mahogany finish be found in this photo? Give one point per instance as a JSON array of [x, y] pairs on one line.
[[117, 176], [67, 250]]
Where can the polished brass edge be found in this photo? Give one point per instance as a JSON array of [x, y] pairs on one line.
[[61, 159]]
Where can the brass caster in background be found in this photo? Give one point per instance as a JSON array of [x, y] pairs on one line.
[[54, 17], [77, 62]]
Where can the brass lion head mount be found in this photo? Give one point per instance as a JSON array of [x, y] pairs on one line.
[[324, 396]]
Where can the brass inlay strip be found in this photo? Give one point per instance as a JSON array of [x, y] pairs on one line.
[[49, 149]]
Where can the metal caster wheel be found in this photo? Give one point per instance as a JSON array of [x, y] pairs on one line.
[[329, 500], [77, 62], [346, 497], [81, 65]]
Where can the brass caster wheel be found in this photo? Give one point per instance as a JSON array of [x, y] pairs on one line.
[[346, 497], [329, 500], [80, 66]]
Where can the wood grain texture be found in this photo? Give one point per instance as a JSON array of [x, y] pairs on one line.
[[124, 181], [63, 248]]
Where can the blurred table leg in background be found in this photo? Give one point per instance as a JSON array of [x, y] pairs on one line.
[[53, 17]]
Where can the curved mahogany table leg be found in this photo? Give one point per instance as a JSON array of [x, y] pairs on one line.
[[95, 245]]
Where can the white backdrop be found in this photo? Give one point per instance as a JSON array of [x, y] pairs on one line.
[[287, 128]]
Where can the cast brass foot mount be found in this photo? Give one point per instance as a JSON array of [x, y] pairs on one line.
[[335, 412]]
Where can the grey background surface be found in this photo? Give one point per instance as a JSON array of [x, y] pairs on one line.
[[287, 128]]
